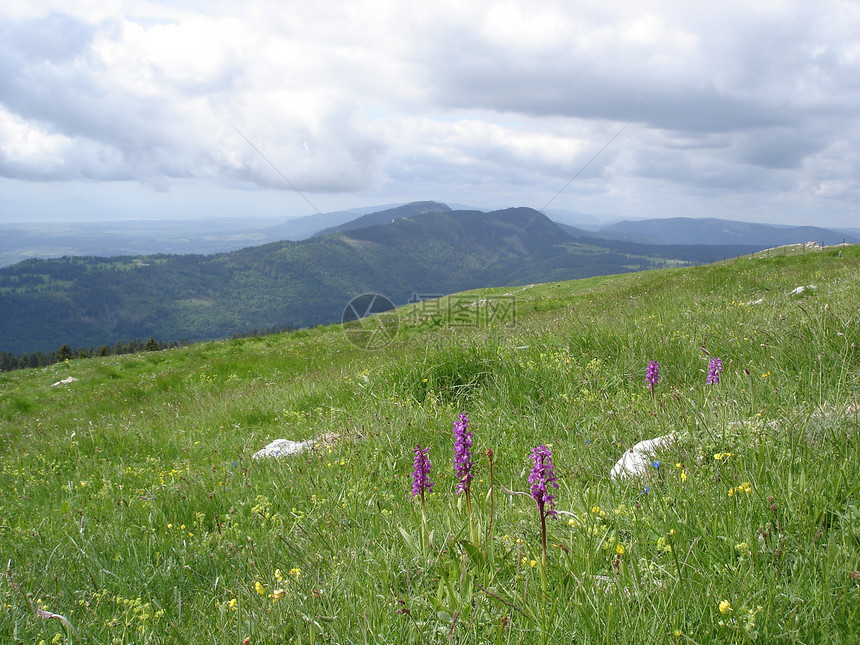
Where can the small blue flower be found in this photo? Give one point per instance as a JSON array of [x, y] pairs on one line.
[[588, 442], [645, 492], [656, 464]]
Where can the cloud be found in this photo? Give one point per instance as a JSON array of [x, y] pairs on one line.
[[156, 102], [371, 95]]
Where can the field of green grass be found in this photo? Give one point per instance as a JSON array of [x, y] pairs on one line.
[[132, 508]]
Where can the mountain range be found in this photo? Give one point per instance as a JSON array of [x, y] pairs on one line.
[[22, 241], [415, 251], [686, 230]]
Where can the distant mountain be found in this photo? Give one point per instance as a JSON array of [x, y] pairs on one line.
[[386, 216], [573, 231], [301, 228], [685, 230], [581, 220], [92, 301], [130, 237]]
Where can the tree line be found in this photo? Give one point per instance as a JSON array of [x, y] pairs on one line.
[[10, 361]]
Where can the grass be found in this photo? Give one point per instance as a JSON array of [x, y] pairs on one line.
[[131, 505]]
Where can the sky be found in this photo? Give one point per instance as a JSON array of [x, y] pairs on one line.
[[177, 110]]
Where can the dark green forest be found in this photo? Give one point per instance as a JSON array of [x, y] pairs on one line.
[[94, 302]]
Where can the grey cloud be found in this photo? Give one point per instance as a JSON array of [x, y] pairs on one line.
[[722, 98], [170, 130], [56, 38]]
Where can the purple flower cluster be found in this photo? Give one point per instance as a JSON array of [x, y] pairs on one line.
[[462, 453], [652, 375], [541, 476], [714, 371], [421, 474]]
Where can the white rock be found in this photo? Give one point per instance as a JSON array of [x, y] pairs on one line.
[[284, 448], [798, 290], [638, 459], [65, 381]]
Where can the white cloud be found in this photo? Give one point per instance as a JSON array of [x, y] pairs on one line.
[[361, 97]]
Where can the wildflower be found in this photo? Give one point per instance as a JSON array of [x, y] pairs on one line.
[[278, 575], [619, 549], [743, 488], [259, 588], [277, 594], [231, 605], [295, 572], [656, 464], [653, 374], [683, 475], [714, 370], [421, 474], [725, 607], [462, 453], [541, 475]]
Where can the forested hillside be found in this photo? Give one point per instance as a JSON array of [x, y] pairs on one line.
[[90, 301]]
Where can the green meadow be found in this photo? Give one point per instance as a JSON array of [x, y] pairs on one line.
[[131, 505]]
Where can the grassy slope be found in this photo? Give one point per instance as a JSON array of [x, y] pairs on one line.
[[131, 506]]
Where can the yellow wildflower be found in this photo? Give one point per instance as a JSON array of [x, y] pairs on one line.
[[278, 575], [259, 588], [619, 548], [743, 488], [295, 572], [231, 605], [725, 607], [277, 594]]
